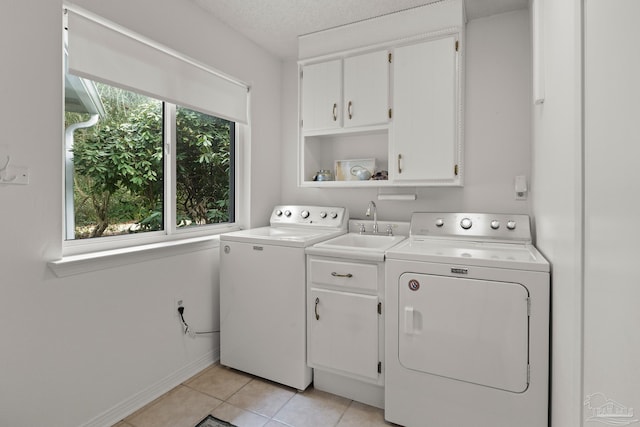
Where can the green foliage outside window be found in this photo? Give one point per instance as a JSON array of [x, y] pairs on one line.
[[118, 177], [203, 159]]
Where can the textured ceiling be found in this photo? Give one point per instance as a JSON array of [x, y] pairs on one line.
[[276, 24]]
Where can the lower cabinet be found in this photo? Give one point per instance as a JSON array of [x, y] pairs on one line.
[[343, 332], [345, 327]]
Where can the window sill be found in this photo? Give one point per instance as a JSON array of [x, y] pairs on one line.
[[86, 263]]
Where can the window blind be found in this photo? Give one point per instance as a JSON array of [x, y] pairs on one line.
[[104, 51]]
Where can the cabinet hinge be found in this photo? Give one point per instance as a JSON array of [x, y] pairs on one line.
[[457, 45], [529, 306], [379, 308], [528, 373], [455, 170], [301, 73], [390, 56], [390, 113], [379, 367]]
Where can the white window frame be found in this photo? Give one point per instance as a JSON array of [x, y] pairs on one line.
[[170, 232]]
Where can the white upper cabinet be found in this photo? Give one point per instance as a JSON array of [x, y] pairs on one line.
[[385, 92], [366, 89], [351, 92], [424, 142], [322, 95]]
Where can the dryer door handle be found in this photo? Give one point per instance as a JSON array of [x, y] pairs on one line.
[[408, 321]]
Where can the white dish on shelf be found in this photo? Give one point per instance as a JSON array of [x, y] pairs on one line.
[[354, 169]]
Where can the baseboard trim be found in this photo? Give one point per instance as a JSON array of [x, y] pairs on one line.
[[140, 399]]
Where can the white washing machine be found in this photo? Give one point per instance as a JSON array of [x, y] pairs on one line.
[[467, 324], [263, 292]]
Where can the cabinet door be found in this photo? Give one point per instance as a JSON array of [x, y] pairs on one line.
[[366, 89], [322, 95], [344, 335], [424, 145]]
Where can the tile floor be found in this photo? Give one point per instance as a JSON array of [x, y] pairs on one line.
[[248, 401]]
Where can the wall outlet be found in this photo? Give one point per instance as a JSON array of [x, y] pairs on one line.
[[521, 187], [177, 303]]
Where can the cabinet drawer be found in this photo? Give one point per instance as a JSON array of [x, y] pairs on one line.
[[347, 274]]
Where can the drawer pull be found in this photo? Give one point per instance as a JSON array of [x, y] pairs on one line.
[[334, 274], [316, 309]]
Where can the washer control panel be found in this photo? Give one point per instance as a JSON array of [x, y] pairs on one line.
[[472, 226], [315, 216]]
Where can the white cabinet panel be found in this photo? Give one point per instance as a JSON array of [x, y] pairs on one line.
[[366, 89], [322, 95], [424, 143], [353, 275], [343, 332], [365, 81]]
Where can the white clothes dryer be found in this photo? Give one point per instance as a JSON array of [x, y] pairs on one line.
[[467, 324], [263, 292]]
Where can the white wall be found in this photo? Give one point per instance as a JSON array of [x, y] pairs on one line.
[[557, 201], [611, 153], [73, 348], [497, 130]]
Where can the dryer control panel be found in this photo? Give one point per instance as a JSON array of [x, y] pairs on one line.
[[472, 226]]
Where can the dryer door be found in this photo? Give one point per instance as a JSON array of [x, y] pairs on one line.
[[465, 329]]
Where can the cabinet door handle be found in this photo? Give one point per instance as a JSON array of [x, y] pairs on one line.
[[335, 112], [399, 163], [334, 274], [350, 110], [316, 309]]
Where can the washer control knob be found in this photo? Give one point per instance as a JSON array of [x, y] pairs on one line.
[[333, 215], [323, 214], [439, 222], [287, 213], [511, 225], [278, 212], [304, 214], [495, 224], [466, 223]]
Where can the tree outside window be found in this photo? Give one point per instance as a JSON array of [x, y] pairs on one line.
[[118, 178]]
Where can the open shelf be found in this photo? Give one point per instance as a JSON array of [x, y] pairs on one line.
[[321, 151]]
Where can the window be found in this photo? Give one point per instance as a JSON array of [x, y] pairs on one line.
[[204, 168], [150, 136], [116, 166]]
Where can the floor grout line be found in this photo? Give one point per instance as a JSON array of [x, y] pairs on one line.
[[253, 382]]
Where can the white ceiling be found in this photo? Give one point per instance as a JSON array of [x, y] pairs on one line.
[[276, 24]]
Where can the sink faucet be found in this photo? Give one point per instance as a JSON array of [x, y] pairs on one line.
[[375, 215]]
